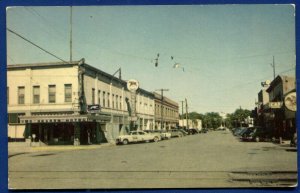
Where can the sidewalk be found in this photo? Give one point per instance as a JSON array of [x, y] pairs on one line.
[[16, 148]]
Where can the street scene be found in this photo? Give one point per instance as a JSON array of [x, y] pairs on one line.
[[125, 97], [213, 159]]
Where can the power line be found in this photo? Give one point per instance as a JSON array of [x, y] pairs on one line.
[[11, 59], [22, 37]]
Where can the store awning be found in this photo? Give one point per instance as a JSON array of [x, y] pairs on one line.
[[63, 118]]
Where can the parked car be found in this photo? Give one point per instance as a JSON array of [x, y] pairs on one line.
[[165, 134], [183, 131], [157, 132], [239, 131], [176, 133], [256, 134], [192, 131], [137, 136]]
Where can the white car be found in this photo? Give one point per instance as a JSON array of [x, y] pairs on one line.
[[137, 136], [165, 135]]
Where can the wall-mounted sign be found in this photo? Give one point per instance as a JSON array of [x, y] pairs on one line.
[[132, 85], [290, 101], [275, 105], [93, 108]]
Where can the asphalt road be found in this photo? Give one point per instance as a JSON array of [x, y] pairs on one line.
[[214, 159]]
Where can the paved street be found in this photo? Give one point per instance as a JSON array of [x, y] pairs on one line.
[[214, 159]]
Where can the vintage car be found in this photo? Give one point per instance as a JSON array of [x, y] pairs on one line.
[[137, 136]]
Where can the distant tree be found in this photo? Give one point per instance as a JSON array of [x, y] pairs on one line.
[[238, 117]]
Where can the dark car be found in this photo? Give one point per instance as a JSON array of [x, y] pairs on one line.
[[192, 131], [239, 131], [256, 134], [245, 132]]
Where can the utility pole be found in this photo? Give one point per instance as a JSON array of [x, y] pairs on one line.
[[71, 26], [181, 108], [187, 117], [273, 66], [161, 107], [181, 118]]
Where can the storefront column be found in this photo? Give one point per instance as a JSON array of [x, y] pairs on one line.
[[40, 135], [98, 137], [76, 134]]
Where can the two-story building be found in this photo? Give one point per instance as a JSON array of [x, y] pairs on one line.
[[281, 117], [72, 103], [166, 112]]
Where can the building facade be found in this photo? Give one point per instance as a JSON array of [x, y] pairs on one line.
[[281, 119], [166, 112], [73, 103]]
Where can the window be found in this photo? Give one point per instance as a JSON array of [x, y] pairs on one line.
[[99, 97], [68, 92], [14, 117], [117, 101], [108, 101], [103, 99], [21, 95], [121, 103], [7, 95], [113, 101], [36, 94], [52, 93], [93, 96]]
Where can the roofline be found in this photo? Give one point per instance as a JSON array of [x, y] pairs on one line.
[[44, 64], [80, 62], [275, 80]]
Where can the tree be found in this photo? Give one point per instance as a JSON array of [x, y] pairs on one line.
[[237, 118]]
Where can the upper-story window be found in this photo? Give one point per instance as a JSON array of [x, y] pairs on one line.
[[93, 96], [117, 102], [36, 94], [108, 100], [113, 101], [121, 103], [68, 92], [99, 97], [21, 95], [52, 93], [103, 99]]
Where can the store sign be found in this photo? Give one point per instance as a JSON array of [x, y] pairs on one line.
[[93, 108], [275, 105], [132, 85], [290, 101]]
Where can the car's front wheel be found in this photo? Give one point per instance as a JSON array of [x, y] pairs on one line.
[[125, 141], [257, 139], [155, 139]]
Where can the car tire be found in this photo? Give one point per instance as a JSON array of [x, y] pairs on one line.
[[155, 139], [257, 139], [125, 141]]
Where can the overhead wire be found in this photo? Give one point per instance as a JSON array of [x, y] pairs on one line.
[[29, 41]]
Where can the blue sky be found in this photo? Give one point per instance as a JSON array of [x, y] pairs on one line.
[[226, 50]]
